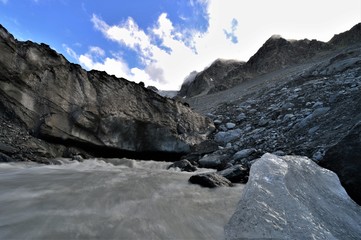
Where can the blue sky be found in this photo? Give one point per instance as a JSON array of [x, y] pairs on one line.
[[160, 42]]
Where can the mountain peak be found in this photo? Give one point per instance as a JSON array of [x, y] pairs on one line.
[[276, 53], [349, 37]]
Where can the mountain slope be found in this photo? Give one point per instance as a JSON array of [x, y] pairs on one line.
[[309, 109], [275, 54]]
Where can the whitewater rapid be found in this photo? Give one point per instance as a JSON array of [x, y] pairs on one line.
[[109, 199]]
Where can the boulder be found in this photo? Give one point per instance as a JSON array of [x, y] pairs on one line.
[[226, 137], [230, 125], [292, 197], [236, 174], [61, 102], [344, 159], [183, 165], [244, 153], [210, 180], [214, 160], [241, 117]]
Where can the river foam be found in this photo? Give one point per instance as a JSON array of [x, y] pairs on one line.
[[109, 199]]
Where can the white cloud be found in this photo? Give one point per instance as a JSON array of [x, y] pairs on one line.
[[96, 59], [97, 51], [127, 34], [236, 30], [70, 51]]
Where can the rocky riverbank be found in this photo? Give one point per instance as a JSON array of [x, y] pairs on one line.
[[308, 110], [51, 108]]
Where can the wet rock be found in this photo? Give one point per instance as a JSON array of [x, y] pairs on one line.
[[210, 180], [236, 174], [292, 198], [215, 160], [183, 165], [78, 158]]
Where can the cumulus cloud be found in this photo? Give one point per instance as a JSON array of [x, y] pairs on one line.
[[167, 53], [95, 59], [127, 34]]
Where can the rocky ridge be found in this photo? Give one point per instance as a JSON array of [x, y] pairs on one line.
[[275, 54], [207, 81], [61, 103]]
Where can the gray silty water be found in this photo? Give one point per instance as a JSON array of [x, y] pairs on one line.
[[125, 199]]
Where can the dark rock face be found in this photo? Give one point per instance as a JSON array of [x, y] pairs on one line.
[[278, 52], [344, 159], [292, 198], [60, 102], [210, 180], [209, 80], [349, 37]]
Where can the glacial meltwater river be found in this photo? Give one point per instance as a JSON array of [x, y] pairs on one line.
[[111, 199]]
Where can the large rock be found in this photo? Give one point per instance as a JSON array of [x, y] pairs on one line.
[[183, 165], [61, 102], [236, 174], [344, 159], [293, 198], [210, 180], [226, 137], [215, 160]]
